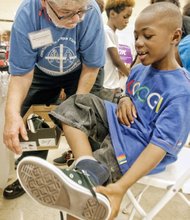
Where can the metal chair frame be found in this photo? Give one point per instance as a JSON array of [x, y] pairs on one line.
[[175, 180]]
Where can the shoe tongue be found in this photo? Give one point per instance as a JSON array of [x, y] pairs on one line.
[[98, 173], [91, 176]]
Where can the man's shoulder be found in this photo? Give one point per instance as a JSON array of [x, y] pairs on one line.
[[28, 3], [27, 10]]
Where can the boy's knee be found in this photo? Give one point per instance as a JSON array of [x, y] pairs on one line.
[[85, 99]]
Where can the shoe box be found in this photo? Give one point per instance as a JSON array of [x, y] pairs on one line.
[[43, 138]]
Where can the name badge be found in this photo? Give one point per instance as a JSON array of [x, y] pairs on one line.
[[40, 38]]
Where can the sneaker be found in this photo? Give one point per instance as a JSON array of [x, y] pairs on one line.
[[69, 190], [13, 190], [65, 157], [36, 122], [70, 162], [17, 161]]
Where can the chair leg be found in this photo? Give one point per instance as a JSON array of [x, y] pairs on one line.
[[171, 192], [184, 198], [61, 216], [169, 195], [163, 201], [135, 202]]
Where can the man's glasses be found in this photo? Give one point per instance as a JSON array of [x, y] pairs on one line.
[[80, 13]]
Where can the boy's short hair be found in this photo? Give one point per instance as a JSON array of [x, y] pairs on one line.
[[166, 11], [176, 2], [101, 4], [118, 5]]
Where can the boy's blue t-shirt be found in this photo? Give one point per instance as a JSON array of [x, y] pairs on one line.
[[70, 47], [162, 101]]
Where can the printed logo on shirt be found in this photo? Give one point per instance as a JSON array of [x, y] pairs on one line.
[[143, 94], [121, 159], [60, 58]]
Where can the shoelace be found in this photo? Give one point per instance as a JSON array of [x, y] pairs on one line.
[[68, 155], [88, 181]]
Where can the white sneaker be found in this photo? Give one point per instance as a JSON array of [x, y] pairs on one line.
[[68, 190]]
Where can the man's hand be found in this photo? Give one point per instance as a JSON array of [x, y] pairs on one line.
[[14, 126], [115, 195], [126, 111]]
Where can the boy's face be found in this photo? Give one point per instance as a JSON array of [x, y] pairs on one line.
[[122, 19], [153, 40]]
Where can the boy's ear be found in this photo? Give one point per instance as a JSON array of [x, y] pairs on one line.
[[177, 36], [112, 13]]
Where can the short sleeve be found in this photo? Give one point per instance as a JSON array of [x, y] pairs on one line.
[[171, 131]]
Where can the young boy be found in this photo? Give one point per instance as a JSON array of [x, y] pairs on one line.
[[139, 136], [118, 13]]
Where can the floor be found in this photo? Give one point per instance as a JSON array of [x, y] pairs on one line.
[[24, 208]]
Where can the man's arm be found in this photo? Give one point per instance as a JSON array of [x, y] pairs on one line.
[[87, 79], [17, 91]]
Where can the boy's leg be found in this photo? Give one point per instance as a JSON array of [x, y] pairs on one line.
[[82, 117], [73, 136], [70, 89], [106, 155], [73, 187]]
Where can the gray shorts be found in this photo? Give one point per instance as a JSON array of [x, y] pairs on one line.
[[87, 113], [111, 95]]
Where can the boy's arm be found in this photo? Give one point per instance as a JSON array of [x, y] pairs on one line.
[[148, 160], [122, 68]]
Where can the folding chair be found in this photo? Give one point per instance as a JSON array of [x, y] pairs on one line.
[[175, 179]]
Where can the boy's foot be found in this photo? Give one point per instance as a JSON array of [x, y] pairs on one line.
[[69, 190], [64, 158], [13, 191]]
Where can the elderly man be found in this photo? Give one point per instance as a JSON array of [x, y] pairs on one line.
[[55, 45]]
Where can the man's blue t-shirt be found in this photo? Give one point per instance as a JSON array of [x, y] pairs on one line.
[[184, 52], [70, 47], [162, 101]]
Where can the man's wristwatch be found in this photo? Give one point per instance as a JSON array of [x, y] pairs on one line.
[[122, 96]]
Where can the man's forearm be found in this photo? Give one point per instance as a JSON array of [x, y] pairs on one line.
[[17, 91], [87, 79]]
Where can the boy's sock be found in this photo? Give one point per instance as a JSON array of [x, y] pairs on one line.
[[84, 158], [98, 172]]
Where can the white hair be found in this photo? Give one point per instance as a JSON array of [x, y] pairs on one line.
[[66, 2]]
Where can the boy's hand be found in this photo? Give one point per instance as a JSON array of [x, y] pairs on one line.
[[115, 196], [126, 111]]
